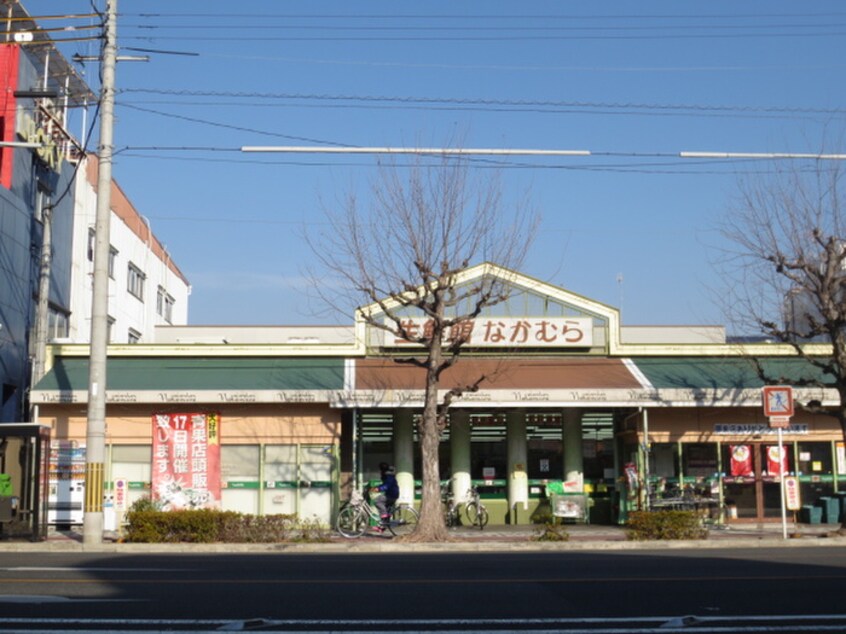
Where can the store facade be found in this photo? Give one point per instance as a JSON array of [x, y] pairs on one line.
[[572, 400]]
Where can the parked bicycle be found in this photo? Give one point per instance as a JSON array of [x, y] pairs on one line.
[[359, 514], [473, 511]]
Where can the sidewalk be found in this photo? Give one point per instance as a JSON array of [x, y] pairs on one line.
[[491, 539]]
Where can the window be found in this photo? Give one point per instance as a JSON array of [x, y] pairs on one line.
[[57, 324], [92, 241], [110, 331], [134, 336], [135, 281], [164, 304], [699, 460], [815, 459]]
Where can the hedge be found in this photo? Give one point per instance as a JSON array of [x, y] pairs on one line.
[[208, 526], [655, 525]]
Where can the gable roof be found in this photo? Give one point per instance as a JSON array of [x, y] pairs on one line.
[[524, 283]]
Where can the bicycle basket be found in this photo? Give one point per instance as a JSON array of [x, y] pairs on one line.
[[356, 497]]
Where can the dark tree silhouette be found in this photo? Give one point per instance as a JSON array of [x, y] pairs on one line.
[[400, 254]]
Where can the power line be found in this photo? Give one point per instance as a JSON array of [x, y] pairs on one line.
[[460, 108], [264, 26], [228, 126], [492, 38], [483, 101], [485, 16]]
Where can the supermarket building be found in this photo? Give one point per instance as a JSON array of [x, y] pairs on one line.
[[573, 398]]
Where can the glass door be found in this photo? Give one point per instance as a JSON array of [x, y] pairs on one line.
[[752, 481], [742, 483]]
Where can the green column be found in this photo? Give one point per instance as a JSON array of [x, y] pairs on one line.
[[459, 447], [571, 438], [404, 453], [518, 479]]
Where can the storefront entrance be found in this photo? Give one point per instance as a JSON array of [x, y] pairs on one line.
[[751, 486]]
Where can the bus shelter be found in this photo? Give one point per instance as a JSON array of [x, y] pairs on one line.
[[24, 456]]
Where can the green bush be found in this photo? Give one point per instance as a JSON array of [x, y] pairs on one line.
[[552, 532], [653, 525], [144, 504], [208, 526]]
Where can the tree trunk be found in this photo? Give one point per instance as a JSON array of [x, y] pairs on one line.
[[431, 526]]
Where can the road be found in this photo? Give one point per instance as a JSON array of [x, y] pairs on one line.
[[472, 592]]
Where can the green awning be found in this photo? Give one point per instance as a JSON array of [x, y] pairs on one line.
[[725, 373], [199, 373]]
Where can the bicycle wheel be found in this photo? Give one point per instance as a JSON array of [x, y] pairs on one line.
[[352, 521], [450, 515], [403, 520], [477, 514]]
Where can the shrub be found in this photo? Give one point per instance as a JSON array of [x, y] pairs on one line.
[[551, 532], [144, 504], [653, 525], [208, 526]]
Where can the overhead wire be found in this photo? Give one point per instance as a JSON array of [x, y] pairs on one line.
[[482, 101], [452, 103], [493, 38]]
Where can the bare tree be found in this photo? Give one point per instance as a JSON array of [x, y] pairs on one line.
[[787, 271], [400, 253]]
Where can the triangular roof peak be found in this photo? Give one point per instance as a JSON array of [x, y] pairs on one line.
[[542, 289], [526, 285]]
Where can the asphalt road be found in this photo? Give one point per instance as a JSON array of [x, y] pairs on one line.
[[525, 590]]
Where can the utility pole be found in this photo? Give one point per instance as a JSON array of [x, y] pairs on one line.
[[95, 437]]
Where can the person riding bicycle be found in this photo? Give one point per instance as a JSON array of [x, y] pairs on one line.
[[386, 494]]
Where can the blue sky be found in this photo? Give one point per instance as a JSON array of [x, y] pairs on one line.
[[636, 83]]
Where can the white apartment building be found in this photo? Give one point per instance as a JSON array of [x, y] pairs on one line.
[[146, 288]]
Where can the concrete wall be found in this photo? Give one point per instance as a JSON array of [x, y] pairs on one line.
[[132, 237]]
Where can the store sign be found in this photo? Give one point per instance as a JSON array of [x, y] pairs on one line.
[[186, 460], [32, 131], [792, 495], [121, 486], [504, 332], [755, 429]]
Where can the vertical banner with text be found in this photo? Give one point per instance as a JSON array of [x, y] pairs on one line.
[[741, 460], [186, 460], [776, 461]]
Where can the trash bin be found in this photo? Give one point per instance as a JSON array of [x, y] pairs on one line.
[[811, 514], [840, 496], [830, 509]]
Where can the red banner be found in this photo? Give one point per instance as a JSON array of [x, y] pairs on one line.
[[776, 466], [741, 460], [186, 461]]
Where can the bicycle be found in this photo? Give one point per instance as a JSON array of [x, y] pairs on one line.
[[359, 514], [474, 511]]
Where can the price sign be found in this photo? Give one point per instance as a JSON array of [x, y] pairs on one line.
[[792, 497]]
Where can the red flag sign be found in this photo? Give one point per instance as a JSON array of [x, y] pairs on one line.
[[186, 461], [776, 460], [741, 460]]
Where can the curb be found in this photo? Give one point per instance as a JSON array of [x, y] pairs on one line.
[[390, 546]]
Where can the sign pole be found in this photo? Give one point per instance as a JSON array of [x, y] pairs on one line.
[[778, 407], [782, 476]]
